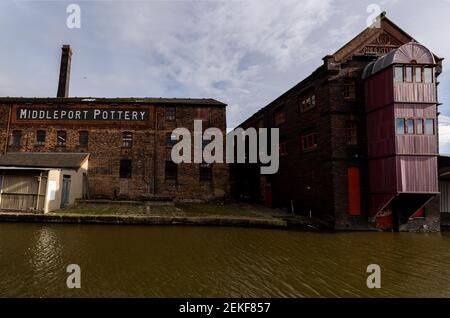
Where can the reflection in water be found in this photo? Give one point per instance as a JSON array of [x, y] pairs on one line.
[[150, 261]]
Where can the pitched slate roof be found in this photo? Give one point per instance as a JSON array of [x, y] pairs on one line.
[[117, 100], [43, 160]]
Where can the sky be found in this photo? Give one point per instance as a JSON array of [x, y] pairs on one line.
[[242, 52]]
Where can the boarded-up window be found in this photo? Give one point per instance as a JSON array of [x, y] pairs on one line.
[[125, 168], [279, 116], [354, 191], [40, 137], [83, 138], [61, 138], [205, 172], [171, 170], [127, 139]]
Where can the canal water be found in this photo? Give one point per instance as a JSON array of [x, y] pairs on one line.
[[150, 261]]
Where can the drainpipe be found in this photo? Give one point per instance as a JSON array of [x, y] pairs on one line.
[[7, 130]]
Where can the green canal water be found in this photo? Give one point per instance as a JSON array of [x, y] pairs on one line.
[[147, 261]]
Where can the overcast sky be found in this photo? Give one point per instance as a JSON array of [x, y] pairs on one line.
[[242, 52]]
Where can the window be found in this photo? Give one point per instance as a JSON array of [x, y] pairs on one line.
[[349, 89], [400, 126], [307, 102], [279, 116], [351, 135], [127, 139], [171, 112], [125, 168], [171, 170], [428, 74], [418, 74], [309, 141], [83, 138], [398, 74], [429, 126], [61, 138], [283, 148], [40, 137], [205, 172], [408, 74], [419, 126], [410, 126], [171, 139], [16, 137]]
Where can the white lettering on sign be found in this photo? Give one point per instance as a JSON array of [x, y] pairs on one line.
[[101, 114]]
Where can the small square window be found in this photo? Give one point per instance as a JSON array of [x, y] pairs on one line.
[[170, 112], [40, 137], [61, 138], [349, 89], [83, 138], [127, 139], [16, 137], [352, 133], [279, 116]]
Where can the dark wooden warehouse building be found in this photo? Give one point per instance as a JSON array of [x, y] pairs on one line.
[[358, 138]]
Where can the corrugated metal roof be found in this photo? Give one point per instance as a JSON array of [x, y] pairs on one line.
[[43, 160], [406, 53], [118, 100]]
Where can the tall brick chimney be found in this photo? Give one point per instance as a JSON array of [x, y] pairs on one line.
[[64, 71]]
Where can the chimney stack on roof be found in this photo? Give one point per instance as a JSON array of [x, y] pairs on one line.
[[64, 72]]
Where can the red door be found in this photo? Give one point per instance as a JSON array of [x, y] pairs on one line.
[[354, 191]]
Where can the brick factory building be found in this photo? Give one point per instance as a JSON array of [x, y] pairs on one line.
[[128, 140], [358, 138]]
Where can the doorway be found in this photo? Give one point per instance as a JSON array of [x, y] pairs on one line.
[[65, 191]]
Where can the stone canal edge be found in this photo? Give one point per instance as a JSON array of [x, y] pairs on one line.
[[143, 220]]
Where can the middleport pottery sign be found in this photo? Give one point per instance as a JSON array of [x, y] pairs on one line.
[[80, 114]]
